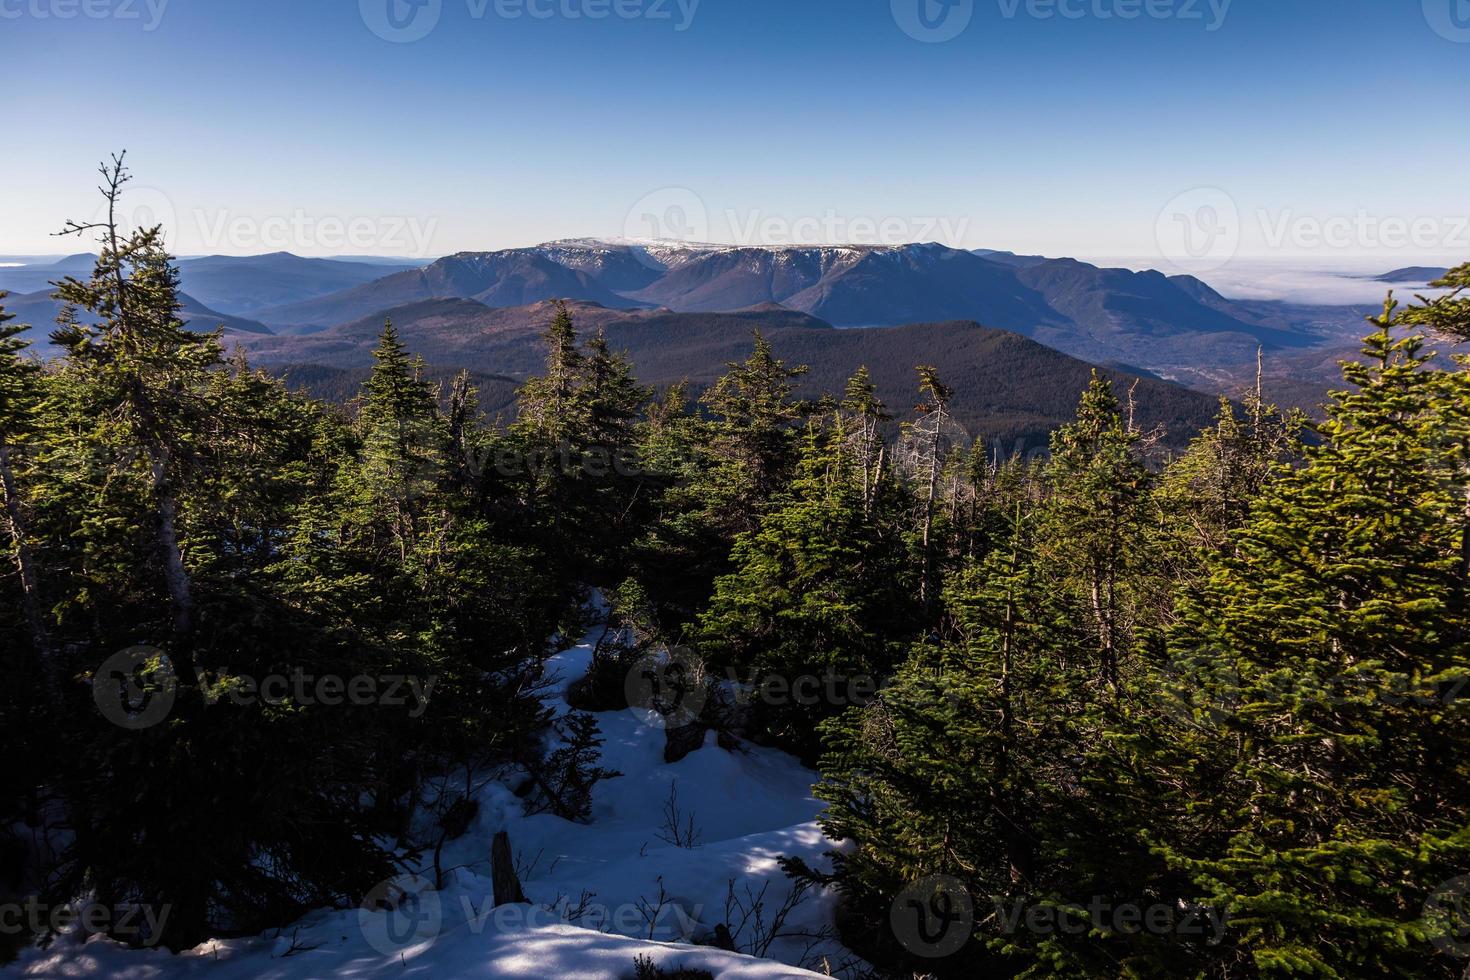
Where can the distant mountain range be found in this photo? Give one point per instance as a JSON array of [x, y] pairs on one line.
[[1164, 323], [39, 310], [1010, 390], [237, 286], [1176, 327], [245, 286]]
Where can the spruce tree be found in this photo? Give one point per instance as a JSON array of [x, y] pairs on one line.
[[1448, 313], [928, 457], [20, 394], [865, 415], [1097, 487], [822, 593], [966, 766], [1329, 803], [144, 374], [754, 407], [403, 436]]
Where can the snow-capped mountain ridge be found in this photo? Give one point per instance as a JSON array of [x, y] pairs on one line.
[[1103, 315]]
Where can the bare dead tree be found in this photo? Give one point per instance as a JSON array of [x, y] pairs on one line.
[[679, 828]]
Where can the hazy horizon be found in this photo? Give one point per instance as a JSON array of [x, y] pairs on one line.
[[1337, 280]]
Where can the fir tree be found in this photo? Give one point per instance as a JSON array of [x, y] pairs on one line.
[[20, 394], [1448, 313], [403, 438], [1097, 490], [753, 407], [865, 414], [143, 372], [929, 459], [822, 590], [1340, 806]]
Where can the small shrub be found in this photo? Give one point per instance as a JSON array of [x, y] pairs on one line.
[[561, 784], [646, 969], [605, 688]]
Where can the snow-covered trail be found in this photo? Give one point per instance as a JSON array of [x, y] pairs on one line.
[[749, 808]]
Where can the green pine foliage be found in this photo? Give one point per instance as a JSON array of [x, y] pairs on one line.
[[1337, 797], [822, 597], [1200, 717], [726, 467], [162, 494]]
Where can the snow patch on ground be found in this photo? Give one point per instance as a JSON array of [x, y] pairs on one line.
[[627, 892]]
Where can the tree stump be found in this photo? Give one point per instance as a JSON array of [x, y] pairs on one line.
[[503, 876], [680, 742]]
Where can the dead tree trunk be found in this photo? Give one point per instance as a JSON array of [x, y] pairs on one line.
[[506, 883], [175, 576]]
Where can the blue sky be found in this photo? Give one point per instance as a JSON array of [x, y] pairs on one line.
[[1055, 126]]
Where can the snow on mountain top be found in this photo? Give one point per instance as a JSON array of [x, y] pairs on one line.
[[660, 245]]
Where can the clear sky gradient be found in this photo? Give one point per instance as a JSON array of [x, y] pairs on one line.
[[1065, 128]]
